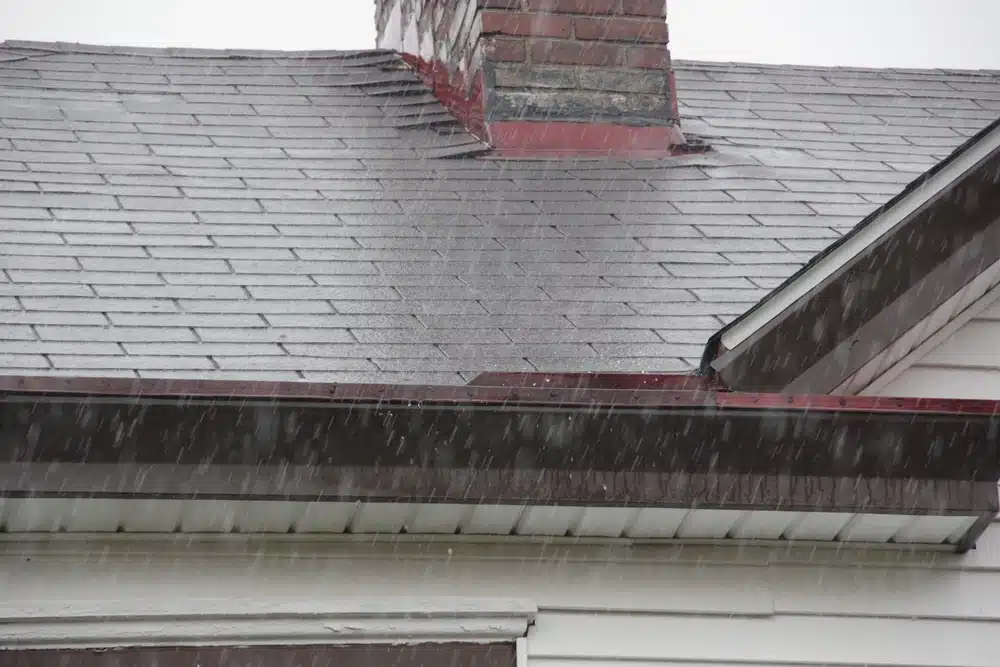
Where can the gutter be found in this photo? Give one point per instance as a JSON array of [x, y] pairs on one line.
[[540, 441]]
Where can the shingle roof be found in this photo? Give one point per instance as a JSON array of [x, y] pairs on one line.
[[318, 215]]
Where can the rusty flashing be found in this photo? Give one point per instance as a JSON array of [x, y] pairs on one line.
[[631, 381], [79, 437], [612, 390]]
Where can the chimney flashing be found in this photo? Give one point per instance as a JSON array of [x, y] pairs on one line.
[[545, 77]]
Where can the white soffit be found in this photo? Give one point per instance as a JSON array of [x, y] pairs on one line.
[[785, 297], [24, 516], [59, 623]]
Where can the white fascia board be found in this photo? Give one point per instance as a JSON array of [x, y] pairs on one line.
[[211, 622], [785, 297]]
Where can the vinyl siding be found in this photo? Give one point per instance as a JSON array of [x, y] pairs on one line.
[[598, 606], [964, 365]]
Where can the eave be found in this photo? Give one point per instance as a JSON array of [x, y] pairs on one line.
[[560, 458], [890, 284]]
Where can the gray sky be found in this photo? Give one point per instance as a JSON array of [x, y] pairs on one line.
[[873, 33]]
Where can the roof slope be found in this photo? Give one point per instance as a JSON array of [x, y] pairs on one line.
[[304, 215]]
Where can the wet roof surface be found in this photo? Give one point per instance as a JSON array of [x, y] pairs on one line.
[[237, 214]]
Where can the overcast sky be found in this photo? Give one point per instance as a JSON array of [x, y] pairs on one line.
[[872, 33]]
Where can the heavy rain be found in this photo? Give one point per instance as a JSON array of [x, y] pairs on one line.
[[499, 333]]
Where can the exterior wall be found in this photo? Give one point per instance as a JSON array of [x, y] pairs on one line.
[[964, 365], [597, 606]]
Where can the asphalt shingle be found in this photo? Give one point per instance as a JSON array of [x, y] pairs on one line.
[[265, 215]]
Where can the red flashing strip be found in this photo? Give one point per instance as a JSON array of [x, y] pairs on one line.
[[463, 99], [628, 381], [665, 391], [734, 400], [517, 138]]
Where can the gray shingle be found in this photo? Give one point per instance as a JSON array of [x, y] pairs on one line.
[[254, 306], [98, 305], [385, 336], [171, 216], [156, 336], [294, 364], [366, 351], [274, 335], [130, 362], [156, 265]]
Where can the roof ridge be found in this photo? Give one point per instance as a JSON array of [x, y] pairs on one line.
[[186, 52], [791, 68]]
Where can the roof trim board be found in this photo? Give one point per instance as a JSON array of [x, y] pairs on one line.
[[50, 624], [750, 331], [483, 445]]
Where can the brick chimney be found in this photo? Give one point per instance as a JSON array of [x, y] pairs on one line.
[[545, 77]]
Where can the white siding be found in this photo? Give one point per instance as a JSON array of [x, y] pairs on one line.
[[964, 365], [598, 606]]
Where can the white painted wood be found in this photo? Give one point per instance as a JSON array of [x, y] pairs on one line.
[[266, 516], [764, 525], [491, 519], [887, 591], [172, 571], [787, 295], [708, 524], [971, 346], [603, 522], [521, 652], [94, 515], [207, 516], [380, 518], [151, 516], [985, 557], [793, 640], [656, 523], [938, 382], [200, 621], [872, 527], [548, 520], [27, 515], [325, 517], [933, 530], [436, 519], [597, 605], [588, 662], [817, 526]]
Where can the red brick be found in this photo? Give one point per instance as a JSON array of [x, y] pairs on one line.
[[527, 24], [576, 6], [647, 57], [505, 49], [645, 8], [621, 30], [576, 53]]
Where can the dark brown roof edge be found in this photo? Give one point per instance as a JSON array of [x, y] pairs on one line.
[[550, 389], [452, 654], [778, 354], [515, 444]]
